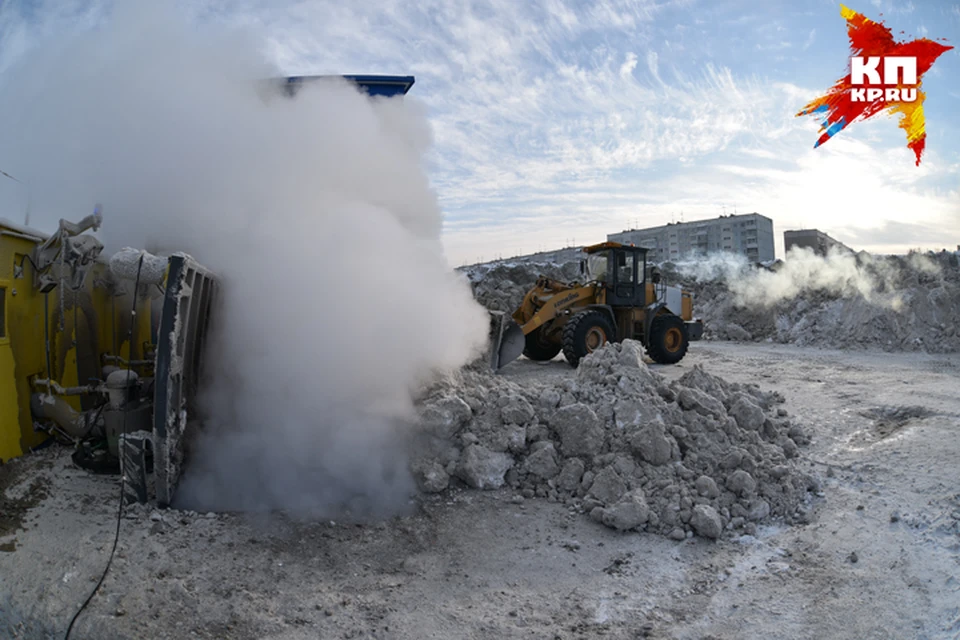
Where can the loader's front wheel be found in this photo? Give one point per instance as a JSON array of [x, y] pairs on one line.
[[668, 339], [585, 333], [539, 349]]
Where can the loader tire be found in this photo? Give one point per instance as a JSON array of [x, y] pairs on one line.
[[668, 339], [585, 333], [538, 349]]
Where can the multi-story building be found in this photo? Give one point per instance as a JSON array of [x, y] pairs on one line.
[[749, 234], [814, 239]]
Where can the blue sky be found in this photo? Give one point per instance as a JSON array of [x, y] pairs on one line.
[[559, 121]]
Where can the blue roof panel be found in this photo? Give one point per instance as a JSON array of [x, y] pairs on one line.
[[373, 85]]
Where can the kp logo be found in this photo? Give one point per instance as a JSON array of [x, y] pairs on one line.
[[866, 71], [884, 76]]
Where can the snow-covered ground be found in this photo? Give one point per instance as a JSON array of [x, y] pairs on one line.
[[878, 559]]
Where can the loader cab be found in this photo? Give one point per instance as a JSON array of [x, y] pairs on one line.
[[621, 269]]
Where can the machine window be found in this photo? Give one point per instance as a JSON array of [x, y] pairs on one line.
[[597, 266], [625, 268]]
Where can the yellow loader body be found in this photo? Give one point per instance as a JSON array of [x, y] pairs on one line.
[[616, 301]]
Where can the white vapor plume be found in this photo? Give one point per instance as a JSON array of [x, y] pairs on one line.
[[838, 273], [337, 301]]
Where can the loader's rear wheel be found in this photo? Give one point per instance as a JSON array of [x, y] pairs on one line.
[[539, 349], [585, 333], [668, 340]]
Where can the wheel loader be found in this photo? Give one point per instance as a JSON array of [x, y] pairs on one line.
[[619, 298]]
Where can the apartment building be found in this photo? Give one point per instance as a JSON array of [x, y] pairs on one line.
[[750, 234], [814, 239]]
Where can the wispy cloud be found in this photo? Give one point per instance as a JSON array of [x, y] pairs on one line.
[[626, 69], [22, 25], [893, 7]]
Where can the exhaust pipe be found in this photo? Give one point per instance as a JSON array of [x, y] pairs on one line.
[[46, 406]]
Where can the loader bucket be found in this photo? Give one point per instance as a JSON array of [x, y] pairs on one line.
[[506, 340]]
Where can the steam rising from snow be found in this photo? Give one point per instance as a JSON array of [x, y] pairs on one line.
[[316, 212], [838, 273]]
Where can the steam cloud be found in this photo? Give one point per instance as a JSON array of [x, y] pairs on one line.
[[315, 212], [838, 273]]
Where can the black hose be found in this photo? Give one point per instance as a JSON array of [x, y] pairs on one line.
[[32, 263], [116, 539], [96, 418], [126, 404]]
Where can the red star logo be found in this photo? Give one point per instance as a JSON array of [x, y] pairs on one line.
[[842, 107]]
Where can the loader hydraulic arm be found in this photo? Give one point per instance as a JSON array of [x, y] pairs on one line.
[[532, 315], [534, 298]]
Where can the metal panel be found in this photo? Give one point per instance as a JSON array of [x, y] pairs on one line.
[[675, 300], [133, 449], [184, 324], [373, 85], [383, 85]]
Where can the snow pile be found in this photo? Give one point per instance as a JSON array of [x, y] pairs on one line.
[[896, 303], [501, 286], [634, 451]]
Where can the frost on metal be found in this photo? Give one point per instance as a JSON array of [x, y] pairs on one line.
[[184, 323], [134, 448], [126, 265]]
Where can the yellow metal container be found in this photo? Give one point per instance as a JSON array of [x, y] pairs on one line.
[[61, 335]]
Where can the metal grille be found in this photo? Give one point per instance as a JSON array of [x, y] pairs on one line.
[[184, 324]]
